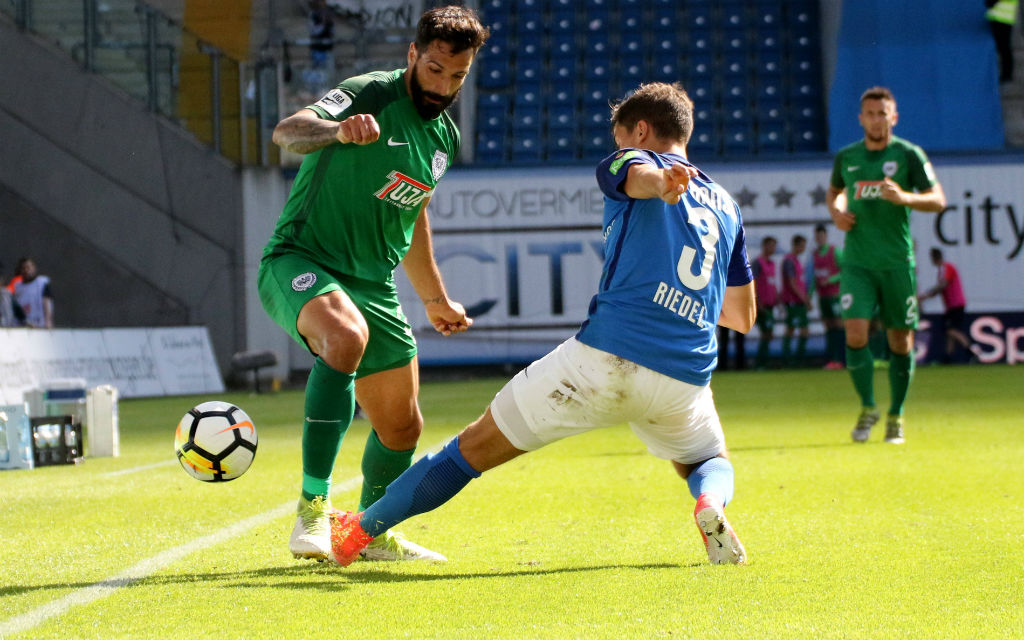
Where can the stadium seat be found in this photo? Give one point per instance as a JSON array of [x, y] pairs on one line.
[[490, 147], [737, 140], [735, 64], [771, 138], [769, 111], [526, 147], [698, 68], [808, 138], [561, 144], [632, 71], [562, 92], [701, 90], [563, 45], [562, 116], [631, 44], [491, 119], [769, 18], [698, 16], [733, 16], [597, 143], [563, 22], [528, 69], [562, 69], [702, 143], [596, 92], [494, 72]]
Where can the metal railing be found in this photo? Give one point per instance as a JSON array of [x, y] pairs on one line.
[[228, 104]]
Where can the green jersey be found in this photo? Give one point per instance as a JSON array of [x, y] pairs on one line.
[[881, 237], [353, 207]]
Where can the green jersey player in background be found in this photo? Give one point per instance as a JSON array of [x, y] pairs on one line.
[[875, 183], [375, 147]]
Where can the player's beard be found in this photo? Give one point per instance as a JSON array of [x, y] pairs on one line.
[[429, 110]]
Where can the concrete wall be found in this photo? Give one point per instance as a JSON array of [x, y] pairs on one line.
[[136, 222]]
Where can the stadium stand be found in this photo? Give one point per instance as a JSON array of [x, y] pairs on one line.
[[753, 68]]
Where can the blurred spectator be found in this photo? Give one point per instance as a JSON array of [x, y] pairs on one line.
[[1001, 16], [825, 266], [33, 295], [321, 33], [767, 293], [954, 301], [11, 314], [739, 347], [794, 296]]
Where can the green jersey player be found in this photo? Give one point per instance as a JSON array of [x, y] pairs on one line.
[[875, 183], [375, 147]]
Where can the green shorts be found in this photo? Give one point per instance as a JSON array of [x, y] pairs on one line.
[[796, 315], [892, 292], [829, 307], [287, 282]]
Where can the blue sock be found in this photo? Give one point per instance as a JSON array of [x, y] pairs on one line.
[[424, 486], [713, 476]]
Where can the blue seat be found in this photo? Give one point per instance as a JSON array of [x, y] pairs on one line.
[[735, 64], [737, 140], [562, 116], [563, 21], [492, 120], [531, 6], [490, 147], [526, 118], [698, 15], [562, 92], [597, 43], [699, 68], [699, 42], [527, 147], [701, 90], [631, 44], [665, 69], [769, 89], [563, 45], [528, 94], [804, 93], [771, 138], [597, 68], [769, 111], [562, 69], [735, 42], [529, 69], [806, 111], [494, 73], [808, 138], [736, 113], [632, 70], [802, 19], [769, 18], [702, 143], [664, 23], [597, 143], [561, 144], [596, 92], [736, 88], [487, 99], [594, 117], [734, 16]]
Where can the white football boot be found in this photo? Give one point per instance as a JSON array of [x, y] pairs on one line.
[[311, 537]]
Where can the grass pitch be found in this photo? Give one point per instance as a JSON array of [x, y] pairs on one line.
[[588, 538]]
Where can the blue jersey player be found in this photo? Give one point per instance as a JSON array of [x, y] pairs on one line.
[[675, 266]]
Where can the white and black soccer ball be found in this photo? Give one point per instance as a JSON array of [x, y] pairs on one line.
[[215, 442]]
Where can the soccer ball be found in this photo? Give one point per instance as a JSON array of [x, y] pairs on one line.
[[215, 442]]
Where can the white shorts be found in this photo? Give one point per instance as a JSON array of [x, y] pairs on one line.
[[576, 388]]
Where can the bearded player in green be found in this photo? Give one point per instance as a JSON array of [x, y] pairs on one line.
[[875, 183], [375, 147]]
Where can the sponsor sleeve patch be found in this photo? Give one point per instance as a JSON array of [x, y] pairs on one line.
[[335, 102], [622, 158]]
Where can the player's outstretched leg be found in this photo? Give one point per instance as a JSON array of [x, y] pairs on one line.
[[720, 540]]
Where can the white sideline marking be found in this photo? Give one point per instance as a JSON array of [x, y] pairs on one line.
[[149, 566], [145, 467]]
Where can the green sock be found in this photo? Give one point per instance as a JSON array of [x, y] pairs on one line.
[[861, 365], [801, 349], [901, 372], [380, 468], [835, 341], [787, 340], [330, 403], [761, 359]]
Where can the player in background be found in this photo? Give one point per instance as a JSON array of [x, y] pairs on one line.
[[875, 184], [795, 297], [950, 288], [675, 266], [375, 147], [825, 267], [763, 269]]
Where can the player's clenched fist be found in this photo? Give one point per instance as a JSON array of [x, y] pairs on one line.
[[362, 128]]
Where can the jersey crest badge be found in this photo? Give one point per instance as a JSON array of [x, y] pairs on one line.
[[439, 164], [889, 168], [303, 281]]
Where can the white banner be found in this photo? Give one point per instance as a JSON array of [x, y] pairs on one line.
[[138, 362], [380, 14], [522, 248]]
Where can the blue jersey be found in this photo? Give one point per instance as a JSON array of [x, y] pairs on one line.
[[666, 268]]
